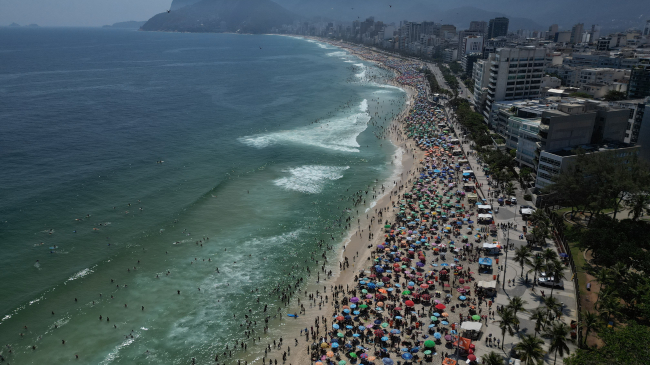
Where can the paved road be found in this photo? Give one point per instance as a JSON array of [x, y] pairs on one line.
[[513, 272]]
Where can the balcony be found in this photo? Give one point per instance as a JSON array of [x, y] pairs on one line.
[[543, 127], [543, 135]]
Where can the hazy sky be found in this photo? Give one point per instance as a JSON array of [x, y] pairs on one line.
[[78, 12]]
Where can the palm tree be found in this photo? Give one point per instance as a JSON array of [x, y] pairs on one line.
[[537, 265], [492, 358], [530, 348], [608, 307], [539, 317], [619, 272], [507, 323], [590, 322], [522, 257], [556, 270], [637, 205], [558, 336], [549, 255], [517, 304], [552, 306]]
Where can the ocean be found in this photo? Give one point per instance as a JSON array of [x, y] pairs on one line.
[[158, 190]]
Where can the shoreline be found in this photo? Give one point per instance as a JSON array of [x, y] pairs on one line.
[[356, 246]]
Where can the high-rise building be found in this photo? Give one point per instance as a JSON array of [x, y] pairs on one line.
[[594, 34], [498, 27], [576, 33], [639, 82], [478, 26], [514, 73], [646, 30]]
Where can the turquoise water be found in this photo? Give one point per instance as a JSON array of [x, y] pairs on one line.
[[122, 152]]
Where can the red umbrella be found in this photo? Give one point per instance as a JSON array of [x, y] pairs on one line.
[[409, 303], [440, 306], [380, 297], [426, 297], [340, 318], [471, 357], [397, 308], [385, 279], [379, 333]]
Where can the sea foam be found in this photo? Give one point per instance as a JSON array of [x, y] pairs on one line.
[[338, 133], [310, 179]]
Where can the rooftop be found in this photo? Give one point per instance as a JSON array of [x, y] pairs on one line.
[[591, 148]]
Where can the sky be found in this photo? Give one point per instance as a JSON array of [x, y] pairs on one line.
[[78, 12]]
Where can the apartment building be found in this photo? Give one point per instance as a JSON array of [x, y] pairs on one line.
[[514, 73]]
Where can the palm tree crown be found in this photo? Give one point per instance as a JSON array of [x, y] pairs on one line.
[[558, 335], [530, 348]]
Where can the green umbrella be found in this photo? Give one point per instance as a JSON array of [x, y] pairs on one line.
[[364, 291], [434, 318], [363, 306], [387, 226], [427, 352], [340, 334], [406, 292], [342, 362], [476, 317], [429, 344], [353, 355], [384, 325]]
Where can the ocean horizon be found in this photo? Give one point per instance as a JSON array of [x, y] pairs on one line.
[[162, 189]]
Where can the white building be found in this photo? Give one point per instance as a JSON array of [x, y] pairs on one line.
[[514, 74]]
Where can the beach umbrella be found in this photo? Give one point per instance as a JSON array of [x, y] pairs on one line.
[[353, 355], [395, 332], [471, 357], [356, 335], [330, 354], [440, 306], [462, 297], [342, 362], [335, 326], [434, 319], [409, 303], [407, 356], [448, 337], [437, 335], [384, 338], [363, 356], [476, 317], [427, 352], [444, 323], [388, 361], [429, 343], [354, 300]]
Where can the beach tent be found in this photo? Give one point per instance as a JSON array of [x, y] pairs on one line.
[[485, 217], [471, 197], [471, 326], [527, 211]]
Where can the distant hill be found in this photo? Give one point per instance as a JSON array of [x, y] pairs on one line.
[[215, 16], [177, 4], [14, 25], [132, 24], [461, 17]]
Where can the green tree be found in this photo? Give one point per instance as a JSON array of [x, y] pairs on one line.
[[492, 358], [638, 205], [538, 265], [522, 257], [558, 335], [609, 307], [556, 270], [614, 95], [590, 323], [627, 345], [508, 323], [552, 307], [580, 94], [549, 255], [517, 305], [539, 316], [530, 348]]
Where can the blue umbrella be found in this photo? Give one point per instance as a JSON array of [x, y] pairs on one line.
[[349, 327], [356, 312], [395, 332], [388, 361], [362, 328], [356, 335], [404, 349], [335, 326], [415, 349], [462, 297], [335, 345], [436, 314], [407, 356], [444, 322], [398, 317], [444, 264], [346, 311], [437, 335], [384, 338], [432, 325]]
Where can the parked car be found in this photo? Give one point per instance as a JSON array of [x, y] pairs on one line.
[[513, 200], [550, 282], [522, 207]]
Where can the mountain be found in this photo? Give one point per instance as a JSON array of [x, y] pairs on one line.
[[214, 16], [131, 24], [14, 25], [177, 4], [566, 13]]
